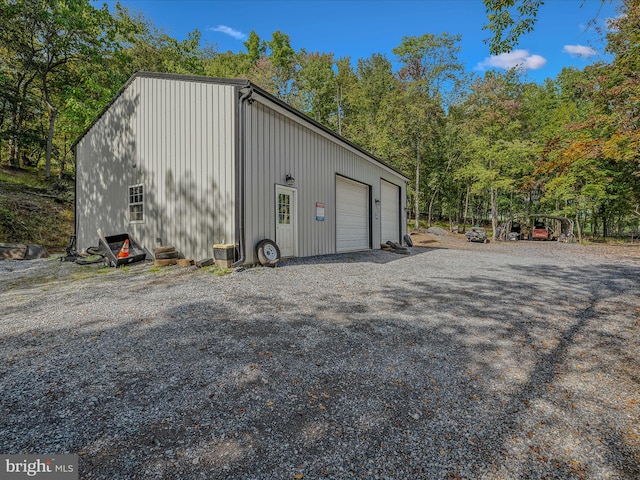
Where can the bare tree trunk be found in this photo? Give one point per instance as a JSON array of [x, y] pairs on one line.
[[63, 160], [21, 90], [47, 162], [3, 111], [494, 212], [578, 226], [14, 143], [53, 113], [433, 198], [339, 101], [417, 219], [466, 210]]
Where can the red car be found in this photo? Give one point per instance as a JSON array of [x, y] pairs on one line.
[[540, 232]]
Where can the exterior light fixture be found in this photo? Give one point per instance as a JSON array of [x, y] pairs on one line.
[[289, 179], [377, 202]]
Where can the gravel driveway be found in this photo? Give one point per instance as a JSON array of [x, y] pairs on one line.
[[499, 361]]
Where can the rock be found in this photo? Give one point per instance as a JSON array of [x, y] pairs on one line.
[[436, 231]]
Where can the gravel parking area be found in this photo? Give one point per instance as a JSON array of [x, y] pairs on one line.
[[466, 361]]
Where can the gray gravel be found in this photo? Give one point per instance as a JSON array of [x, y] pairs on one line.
[[500, 361]]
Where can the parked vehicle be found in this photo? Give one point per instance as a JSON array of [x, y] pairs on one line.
[[540, 232]]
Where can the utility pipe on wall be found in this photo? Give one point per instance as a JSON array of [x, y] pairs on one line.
[[240, 174]]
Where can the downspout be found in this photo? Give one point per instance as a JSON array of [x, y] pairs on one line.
[[240, 176], [75, 196]]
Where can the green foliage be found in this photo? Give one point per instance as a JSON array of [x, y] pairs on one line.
[[316, 86], [475, 149], [508, 21], [256, 48]]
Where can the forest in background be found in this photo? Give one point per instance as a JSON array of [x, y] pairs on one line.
[[478, 149]]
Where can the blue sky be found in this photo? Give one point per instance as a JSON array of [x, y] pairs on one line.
[[360, 28]]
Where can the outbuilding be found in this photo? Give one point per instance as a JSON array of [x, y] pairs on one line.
[[197, 161]]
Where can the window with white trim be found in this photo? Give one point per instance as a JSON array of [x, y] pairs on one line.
[[136, 204]]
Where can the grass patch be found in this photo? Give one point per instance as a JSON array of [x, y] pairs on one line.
[[25, 177], [219, 271]]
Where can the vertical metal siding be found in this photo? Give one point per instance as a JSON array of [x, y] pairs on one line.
[[180, 135], [104, 170], [278, 145]]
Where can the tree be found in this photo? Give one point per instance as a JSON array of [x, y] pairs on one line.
[[316, 86], [19, 69], [284, 63], [345, 82], [508, 21], [365, 93], [593, 165], [256, 48], [430, 63], [617, 94], [430, 74], [498, 153], [47, 36]]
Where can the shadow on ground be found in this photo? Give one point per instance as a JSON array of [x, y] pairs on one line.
[[532, 373]]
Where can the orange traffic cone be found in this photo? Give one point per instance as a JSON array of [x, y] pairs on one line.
[[124, 251]]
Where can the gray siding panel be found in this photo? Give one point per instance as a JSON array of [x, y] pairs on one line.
[[180, 135], [278, 145], [177, 138], [103, 171]]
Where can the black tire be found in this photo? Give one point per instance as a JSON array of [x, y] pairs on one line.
[[166, 255], [408, 241], [94, 251], [268, 253]]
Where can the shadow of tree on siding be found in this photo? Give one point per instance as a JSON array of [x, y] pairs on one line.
[[192, 213]]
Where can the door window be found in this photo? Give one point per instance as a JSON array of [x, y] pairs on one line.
[[284, 209]]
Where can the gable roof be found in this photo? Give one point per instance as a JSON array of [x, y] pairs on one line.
[[240, 83]]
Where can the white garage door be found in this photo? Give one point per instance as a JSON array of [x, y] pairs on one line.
[[352, 215], [389, 212]]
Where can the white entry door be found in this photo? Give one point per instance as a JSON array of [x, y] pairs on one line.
[[286, 221]]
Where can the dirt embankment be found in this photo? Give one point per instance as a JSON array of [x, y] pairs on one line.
[[34, 210]]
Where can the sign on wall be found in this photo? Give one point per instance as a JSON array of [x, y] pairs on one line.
[[320, 211]]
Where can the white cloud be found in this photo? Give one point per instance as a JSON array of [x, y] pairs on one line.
[[579, 50], [229, 31], [516, 58]]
